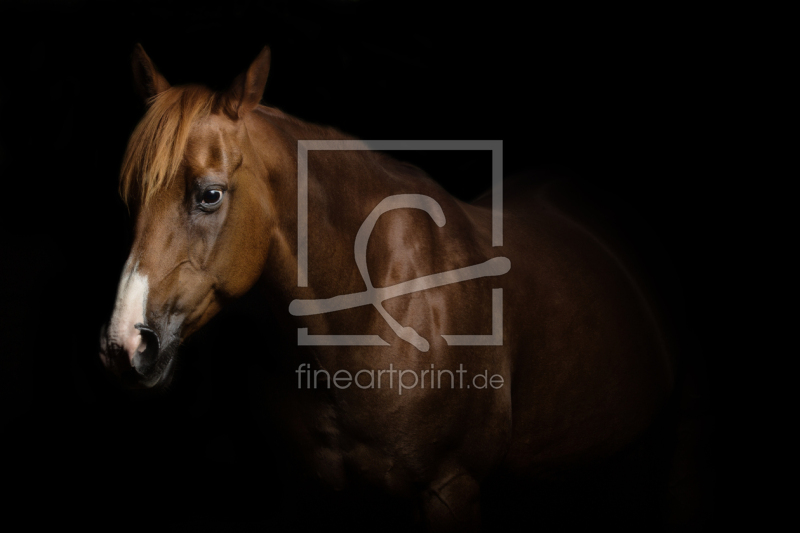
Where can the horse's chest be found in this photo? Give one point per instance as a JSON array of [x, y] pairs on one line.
[[337, 446]]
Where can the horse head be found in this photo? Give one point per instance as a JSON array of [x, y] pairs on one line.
[[193, 182]]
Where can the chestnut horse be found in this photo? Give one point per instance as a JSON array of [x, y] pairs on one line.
[[562, 359]]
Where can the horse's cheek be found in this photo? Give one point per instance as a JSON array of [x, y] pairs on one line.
[[247, 255]]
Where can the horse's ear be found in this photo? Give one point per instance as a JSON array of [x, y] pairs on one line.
[[149, 82], [248, 88]]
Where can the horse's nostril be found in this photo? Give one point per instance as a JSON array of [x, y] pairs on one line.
[[149, 336], [148, 353]]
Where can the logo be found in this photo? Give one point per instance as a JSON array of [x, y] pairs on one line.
[[496, 266]]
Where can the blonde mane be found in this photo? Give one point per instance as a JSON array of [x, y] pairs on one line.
[[156, 147]]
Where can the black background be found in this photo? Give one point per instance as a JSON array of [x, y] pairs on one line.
[[624, 100]]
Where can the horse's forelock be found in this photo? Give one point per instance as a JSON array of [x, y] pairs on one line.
[[157, 145]]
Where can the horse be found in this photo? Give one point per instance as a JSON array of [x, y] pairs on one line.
[[427, 354]]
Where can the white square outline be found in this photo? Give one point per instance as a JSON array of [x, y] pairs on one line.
[[303, 147]]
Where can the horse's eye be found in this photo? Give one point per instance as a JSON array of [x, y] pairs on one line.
[[211, 197]]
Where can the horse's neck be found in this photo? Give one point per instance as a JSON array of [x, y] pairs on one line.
[[343, 188], [338, 190]]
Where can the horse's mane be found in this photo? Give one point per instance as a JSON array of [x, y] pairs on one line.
[[157, 145]]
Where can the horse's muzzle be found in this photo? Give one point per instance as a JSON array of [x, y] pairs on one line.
[[140, 370]]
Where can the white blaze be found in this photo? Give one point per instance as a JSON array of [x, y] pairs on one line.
[[129, 310]]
